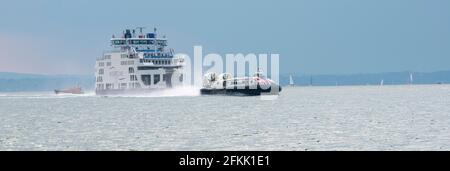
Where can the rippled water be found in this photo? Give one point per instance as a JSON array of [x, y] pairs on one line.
[[302, 118]]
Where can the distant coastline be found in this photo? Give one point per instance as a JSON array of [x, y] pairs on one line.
[[388, 78], [15, 82]]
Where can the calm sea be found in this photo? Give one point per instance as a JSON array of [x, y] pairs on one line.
[[302, 118]]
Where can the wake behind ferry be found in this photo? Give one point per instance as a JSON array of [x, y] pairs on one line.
[[138, 63]]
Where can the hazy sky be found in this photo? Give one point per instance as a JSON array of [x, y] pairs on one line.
[[311, 36]]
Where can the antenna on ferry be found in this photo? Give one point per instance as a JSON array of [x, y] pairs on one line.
[[140, 29]]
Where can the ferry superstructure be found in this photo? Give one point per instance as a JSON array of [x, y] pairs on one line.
[[137, 63]]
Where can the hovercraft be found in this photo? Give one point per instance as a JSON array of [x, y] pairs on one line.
[[226, 84]]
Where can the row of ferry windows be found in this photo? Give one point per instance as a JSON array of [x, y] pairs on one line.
[[101, 71], [139, 42], [146, 79], [121, 56], [101, 64], [126, 62], [99, 79], [157, 62], [120, 86]]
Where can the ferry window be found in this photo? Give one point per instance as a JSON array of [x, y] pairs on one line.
[[146, 68], [181, 78], [100, 71], [139, 42], [99, 86], [156, 79], [123, 85], [123, 62], [109, 86], [130, 62], [101, 64], [133, 78], [165, 77], [99, 79], [131, 70], [108, 63], [119, 42], [146, 79], [124, 56]]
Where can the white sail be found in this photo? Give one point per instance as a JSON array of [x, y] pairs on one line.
[[382, 83], [411, 78], [291, 81]]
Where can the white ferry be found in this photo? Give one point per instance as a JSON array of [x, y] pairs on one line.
[[137, 63]]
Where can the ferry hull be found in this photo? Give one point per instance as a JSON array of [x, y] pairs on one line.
[[242, 91]]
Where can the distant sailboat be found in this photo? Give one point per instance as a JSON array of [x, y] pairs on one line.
[[411, 79], [291, 81], [382, 83]]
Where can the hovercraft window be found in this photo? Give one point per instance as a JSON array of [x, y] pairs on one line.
[[146, 79]]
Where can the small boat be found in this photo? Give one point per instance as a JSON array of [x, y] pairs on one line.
[[225, 84], [291, 81], [73, 90]]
